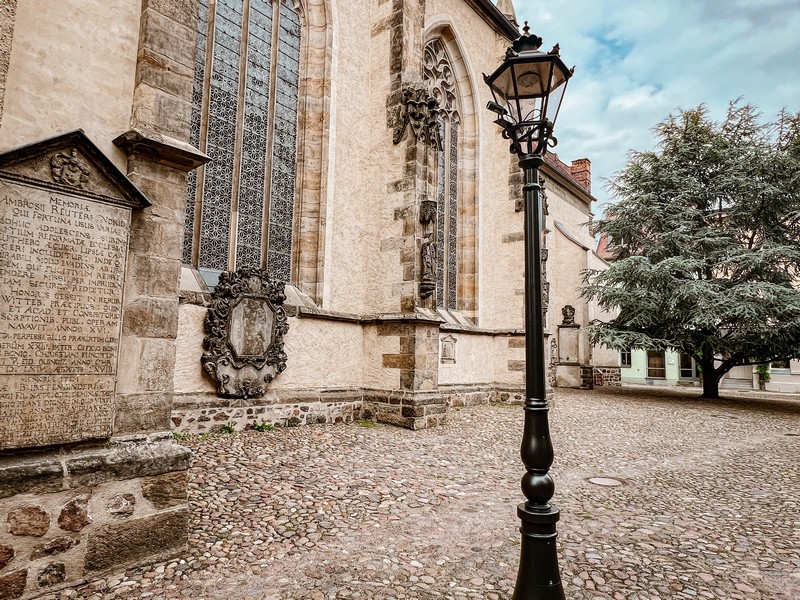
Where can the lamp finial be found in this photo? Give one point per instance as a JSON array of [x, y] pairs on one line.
[[528, 41]]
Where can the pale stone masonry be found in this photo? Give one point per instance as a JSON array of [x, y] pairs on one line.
[[7, 11]]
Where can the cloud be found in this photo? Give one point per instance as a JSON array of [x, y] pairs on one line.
[[638, 62]]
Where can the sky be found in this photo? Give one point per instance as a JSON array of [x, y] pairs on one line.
[[638, 61]]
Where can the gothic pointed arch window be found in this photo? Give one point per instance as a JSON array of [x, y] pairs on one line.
[[439, 75], [240, 206]]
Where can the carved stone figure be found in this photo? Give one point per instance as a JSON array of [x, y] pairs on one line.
[[245, 327], [545, 202], [429, 261], [545, 296], [568, 312], [69, 169], [420, 110], [427, 211], [551, 367]]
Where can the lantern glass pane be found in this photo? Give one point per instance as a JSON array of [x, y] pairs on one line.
[[503, 84], [554, 102], [530, 109], [533, 78]]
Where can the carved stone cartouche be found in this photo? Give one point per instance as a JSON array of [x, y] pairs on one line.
[[245, 326], [568, 313]]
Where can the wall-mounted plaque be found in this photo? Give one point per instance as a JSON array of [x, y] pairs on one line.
[[65, 214], [245, 327]]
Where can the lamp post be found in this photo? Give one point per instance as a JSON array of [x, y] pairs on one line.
[[528, 89]]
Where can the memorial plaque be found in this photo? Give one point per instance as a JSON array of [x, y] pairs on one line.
[[568, 344], [63, 251]]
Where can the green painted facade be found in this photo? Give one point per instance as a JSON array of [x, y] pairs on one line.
[[638, 371]]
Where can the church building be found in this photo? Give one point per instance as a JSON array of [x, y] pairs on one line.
[[293, 212]]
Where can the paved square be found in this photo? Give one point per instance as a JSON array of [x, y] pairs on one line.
[[709, 505]]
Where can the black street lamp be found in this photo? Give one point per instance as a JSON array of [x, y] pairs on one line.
[[528, 89]]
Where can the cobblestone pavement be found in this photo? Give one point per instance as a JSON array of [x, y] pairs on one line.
[[709, 507]]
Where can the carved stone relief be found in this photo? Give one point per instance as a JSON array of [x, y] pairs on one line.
[[568, 314], [427, 210], [448, 356], [429, 262], [545, 296], [69, 169], [418, 109], [245, 326]]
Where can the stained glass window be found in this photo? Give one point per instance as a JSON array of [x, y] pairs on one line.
[[439, 75], [240, 206]]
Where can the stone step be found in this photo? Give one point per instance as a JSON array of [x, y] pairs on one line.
[[736, 384]]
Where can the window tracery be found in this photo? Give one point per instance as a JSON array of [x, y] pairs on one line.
[[240, 207], [439, 76]]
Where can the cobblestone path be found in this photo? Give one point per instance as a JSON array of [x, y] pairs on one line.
[[709, 506]]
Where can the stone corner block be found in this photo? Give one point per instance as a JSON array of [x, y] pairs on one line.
[[126, 461], [153, 538], [140, 413], [34, 475], [166, 491], [151, 317]]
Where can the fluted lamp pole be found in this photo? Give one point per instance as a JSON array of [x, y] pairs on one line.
[[528, 89]]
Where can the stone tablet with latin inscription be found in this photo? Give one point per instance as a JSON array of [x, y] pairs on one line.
[[62, 271]]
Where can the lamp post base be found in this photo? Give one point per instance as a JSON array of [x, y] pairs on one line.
[[538, 577]]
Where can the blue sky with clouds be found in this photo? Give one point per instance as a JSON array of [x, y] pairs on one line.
[[639, 60]]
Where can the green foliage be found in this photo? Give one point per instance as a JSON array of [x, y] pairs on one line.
[[263, 426], [366, 423], [763, 372], [293, 422], [229, 428], [706, 241], [180, 437], [204, 437]]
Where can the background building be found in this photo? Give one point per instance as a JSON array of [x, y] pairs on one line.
[[659, 367]]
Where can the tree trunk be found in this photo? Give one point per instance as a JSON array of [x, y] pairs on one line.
[[710, 377]]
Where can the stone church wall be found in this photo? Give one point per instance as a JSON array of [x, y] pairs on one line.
[[362, 340], [57, 81], [108, 490], [7, 14]]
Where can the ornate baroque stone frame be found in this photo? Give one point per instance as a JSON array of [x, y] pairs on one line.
[[242, 373]]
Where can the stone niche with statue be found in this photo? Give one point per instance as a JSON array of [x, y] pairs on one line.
[[568, 367], [77, 499]]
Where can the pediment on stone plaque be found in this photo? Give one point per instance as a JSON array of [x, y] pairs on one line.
[[71, 163], [245, 325]]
